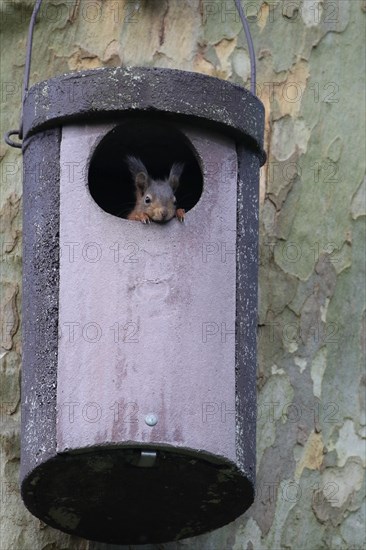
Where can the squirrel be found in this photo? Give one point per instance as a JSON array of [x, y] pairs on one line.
[[155, 200]]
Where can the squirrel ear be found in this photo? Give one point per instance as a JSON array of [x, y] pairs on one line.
[[139, 173], [142, 181], [175, 174]]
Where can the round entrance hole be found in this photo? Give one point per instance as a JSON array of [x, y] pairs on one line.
[[158, 146]]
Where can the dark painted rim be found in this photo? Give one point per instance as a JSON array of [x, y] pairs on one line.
[[115, 502], [108, 93]]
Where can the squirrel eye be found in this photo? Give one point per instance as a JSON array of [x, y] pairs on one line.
[[147, 199]]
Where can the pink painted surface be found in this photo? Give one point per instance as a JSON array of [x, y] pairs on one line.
[[146, 312]]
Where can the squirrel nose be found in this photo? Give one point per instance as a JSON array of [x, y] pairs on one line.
[[164, 213]]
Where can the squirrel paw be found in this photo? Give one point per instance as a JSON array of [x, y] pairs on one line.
[[140, 217], [180, 213]]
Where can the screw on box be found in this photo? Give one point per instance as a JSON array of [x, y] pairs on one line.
[[147, 400]]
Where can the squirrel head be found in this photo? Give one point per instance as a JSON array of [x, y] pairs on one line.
[[155, 197]]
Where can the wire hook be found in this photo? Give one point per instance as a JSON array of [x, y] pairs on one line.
[[28, 61]]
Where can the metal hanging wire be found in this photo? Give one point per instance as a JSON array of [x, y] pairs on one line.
[[248, 36], [28, 60]]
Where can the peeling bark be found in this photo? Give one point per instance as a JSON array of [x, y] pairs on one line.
[[311, 346]]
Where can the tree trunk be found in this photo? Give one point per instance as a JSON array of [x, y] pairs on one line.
[[310, 444]]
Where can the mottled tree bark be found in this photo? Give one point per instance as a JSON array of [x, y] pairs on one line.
[[311, 423]]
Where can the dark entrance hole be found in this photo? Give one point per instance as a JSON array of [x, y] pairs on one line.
[[159, 146]]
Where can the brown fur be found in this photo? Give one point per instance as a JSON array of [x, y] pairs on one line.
[[155, 200]]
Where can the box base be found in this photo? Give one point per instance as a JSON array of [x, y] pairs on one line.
[[136, 495]]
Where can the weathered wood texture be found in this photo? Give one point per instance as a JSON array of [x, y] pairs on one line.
[[311, 424]]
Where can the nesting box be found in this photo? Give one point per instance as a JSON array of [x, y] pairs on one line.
[[139, 357]]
